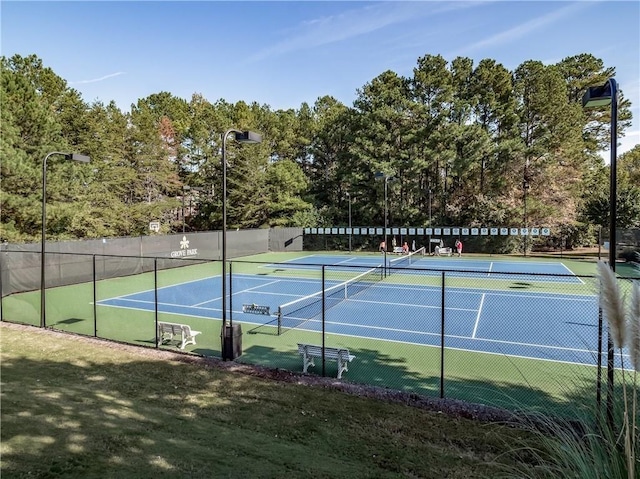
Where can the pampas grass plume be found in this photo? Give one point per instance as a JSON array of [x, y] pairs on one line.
[[612, 303], [633, 326]]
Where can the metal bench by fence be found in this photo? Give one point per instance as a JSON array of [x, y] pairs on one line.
[[309, 352], [167, 331]]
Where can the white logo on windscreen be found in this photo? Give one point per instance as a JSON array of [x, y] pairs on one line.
[[184, 249]]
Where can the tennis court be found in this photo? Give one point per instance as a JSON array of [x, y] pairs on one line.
[[539, 325], [515, 270], [493, 330]]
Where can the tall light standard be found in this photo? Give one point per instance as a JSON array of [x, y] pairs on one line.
[[350, 230], [379, 176], [67, 156], [525, 188], [430, 227], [240, 137], [185, 188], [597, 96]]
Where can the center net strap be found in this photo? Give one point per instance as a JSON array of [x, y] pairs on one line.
[[406, 260], [295, 313]]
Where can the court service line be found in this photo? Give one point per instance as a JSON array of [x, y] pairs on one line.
[[237, 292], [501, 354], [139, 301], [345, 261], [293, 296], [178, 285], [410, 305], [428, 333], [475, 326]]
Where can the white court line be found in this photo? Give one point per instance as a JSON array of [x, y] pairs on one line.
[[565, 267], [410, 305], [581, 298], [490, 268], [501, 354], [238, 292], [245, 276], [530, 295], [138, 301], [345, 261], [475, 327], [288, 295], [207, 278], [424, 333]]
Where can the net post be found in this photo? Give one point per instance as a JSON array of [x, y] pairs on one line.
[[384, 270], [279, 320]]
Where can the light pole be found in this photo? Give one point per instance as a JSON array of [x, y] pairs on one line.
[[383, 176], [349, 198], [67, 156], [185, 188], [597, 96], [525, 188], [240, 137], [430, 227]]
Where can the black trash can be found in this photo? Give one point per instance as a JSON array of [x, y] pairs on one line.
[[231, 338]]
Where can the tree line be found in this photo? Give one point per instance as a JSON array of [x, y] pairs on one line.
[[465, 145]]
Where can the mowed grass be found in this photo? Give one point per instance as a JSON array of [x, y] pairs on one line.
[[77, 407]]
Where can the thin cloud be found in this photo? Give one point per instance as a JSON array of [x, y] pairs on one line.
[[355, 22], [523, 29], [95, 80]]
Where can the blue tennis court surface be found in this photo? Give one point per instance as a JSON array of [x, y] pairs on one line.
[[548, 326], [456, 267]]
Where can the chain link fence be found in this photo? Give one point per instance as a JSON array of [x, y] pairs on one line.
[[522, 340]]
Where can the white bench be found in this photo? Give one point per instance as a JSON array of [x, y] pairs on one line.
[[309, 352], [166, 332]]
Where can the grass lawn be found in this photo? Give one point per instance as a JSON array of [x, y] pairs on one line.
[[78, 407]]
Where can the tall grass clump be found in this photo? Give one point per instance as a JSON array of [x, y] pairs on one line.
[[587, 446]]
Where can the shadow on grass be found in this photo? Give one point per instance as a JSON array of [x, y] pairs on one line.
[[75, 416], [69, 321], [497, 380], [398, 372]]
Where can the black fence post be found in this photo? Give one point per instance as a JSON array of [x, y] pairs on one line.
[[95, 300], [1, 290], [599, 369], [155, 293], [323, 318], [442, 341]]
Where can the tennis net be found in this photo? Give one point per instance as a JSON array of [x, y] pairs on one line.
[[295, 313], [405, 260]]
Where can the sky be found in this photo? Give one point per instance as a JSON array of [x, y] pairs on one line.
[[285, 53]]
